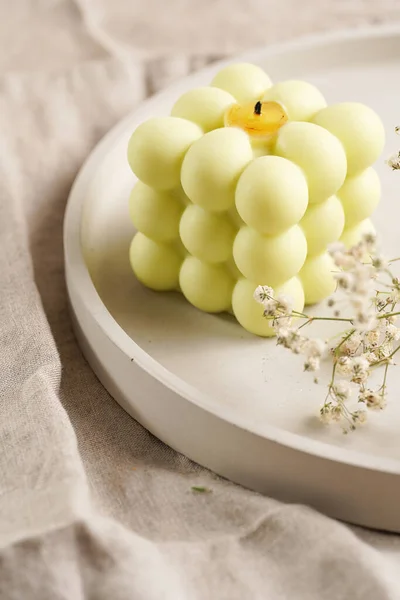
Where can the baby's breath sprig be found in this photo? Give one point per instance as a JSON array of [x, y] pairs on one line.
[[370, 295], [394, 160]]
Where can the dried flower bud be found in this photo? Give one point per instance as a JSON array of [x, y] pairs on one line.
[[359, 416], [373, 336], [341, 389], [263, 293], [394, 161], [373, 400], [312, 364], [344, 280]]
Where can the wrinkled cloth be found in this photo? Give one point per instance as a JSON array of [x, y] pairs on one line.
[[91, 504]]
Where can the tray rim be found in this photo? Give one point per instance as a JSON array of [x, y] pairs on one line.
[[79, 282]]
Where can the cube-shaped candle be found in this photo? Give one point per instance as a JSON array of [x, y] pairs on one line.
[[246, 184]]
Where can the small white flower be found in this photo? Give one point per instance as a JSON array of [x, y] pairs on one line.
[[394, 296], [344, 365], [312, 363], [361, 288], [341, 389], [358, 251], [340, 259], [351, 345], [359, 369], [285, 304], [392, 319], [314, 348], [344, 280], [283, 335], [380, 303], [392, 332], [336, 247], [349, 262], [360, 416], [371, 357], [289, 338], [336, 412], [380, 263], [325, 414], [382, 324], [394, 161], [297, 347], [369, 238], [373, 336], [360, 362], [263, 293], [372, 399], [269, 308], [281, 322], [384, 350]]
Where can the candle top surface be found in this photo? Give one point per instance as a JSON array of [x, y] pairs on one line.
[[261, 119]]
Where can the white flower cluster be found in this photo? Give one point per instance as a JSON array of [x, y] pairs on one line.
[[369, 341], [394, 160], [356, 279], [278, 308], [279, 311]]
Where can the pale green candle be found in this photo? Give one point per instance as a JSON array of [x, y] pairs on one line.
[[246, 184]]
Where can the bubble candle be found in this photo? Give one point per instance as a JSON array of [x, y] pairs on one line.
[[246, 184]]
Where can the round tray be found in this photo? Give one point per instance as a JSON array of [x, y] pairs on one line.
[[231, 401]]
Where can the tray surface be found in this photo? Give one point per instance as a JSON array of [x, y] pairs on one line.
[[208, 361]]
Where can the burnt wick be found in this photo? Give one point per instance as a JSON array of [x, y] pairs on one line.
[[257, 108]]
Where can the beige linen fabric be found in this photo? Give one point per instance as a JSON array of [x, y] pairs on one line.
[[91, 505]]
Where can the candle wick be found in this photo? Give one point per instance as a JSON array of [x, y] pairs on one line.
[[257, 108]]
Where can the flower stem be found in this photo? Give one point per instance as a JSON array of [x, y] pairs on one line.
[[304, 324], [350, 333], [383, 386], [387, 315], [387, 358], [311, 319], [332, 319]]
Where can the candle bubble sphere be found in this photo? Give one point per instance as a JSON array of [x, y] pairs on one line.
[[157, 148], [360, 196], [358, 128], [271, 194], [155, 213], [208, 287], [205, 106], [207, 235], [316, 277], [245, 82], [300, 99], [155, 264], [212, 167], [319, 153], [323, 224]]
